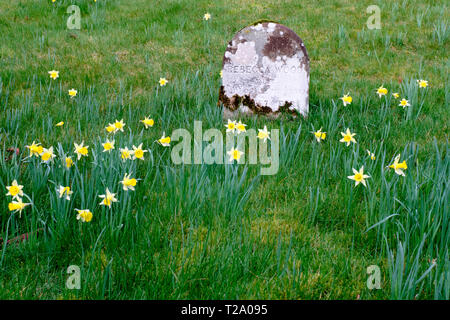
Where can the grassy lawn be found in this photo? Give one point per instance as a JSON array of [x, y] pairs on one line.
[[224, 231]]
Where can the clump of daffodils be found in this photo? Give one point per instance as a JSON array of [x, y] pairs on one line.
[[15, 190]]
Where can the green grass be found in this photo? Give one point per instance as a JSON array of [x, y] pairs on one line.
[[215, 231]]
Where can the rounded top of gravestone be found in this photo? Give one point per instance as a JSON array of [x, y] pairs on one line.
[[265, 70]]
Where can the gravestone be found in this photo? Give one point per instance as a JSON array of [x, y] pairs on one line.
[[265, 70]]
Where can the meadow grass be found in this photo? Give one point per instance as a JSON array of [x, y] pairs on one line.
[[224, 231]]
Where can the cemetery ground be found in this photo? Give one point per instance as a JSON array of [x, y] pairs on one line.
[[223, 231]]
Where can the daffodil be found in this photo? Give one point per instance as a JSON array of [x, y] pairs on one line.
[[119, 125], [17, 206], [47, 155], [163, 81], [221, 73], [108, 145], [234, 154], [128, 183], [72, 93], [231, 126], [35, 149], [371, 155], [348, 137], [81, 150], [85, 215], [54, 74], [64, 192], [263, 134], [125, 153], [395, 95], [404, 103], [59, 124], [359, 176], [108, 198], [319, 135], [346, 99], [422, 83], [15, 190], [207, 16], [381, 91], [164, 141], [240, 127], [399, 166], [148, 122], [138, 152], [69, 162], [111, 128]]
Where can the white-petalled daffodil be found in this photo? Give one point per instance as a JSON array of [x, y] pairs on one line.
[[35, 149], [125, 153], [381, 91], [207, 16], [404, 103], [108, 146], [64, 192], [84, 215], [108, 198], [53, 74], [263, 134], [138, 152], [47, 155], [234, 154], [148, 122], [371, 155], [119, 125], [111, 128], [72, 93], [240, 127], [15, 190], [128, 183], [17, 206], [422, 83], [348, 137], [359, 176], [231, 126], [319, 135], [81, 150], [164, 141], [395, 95], [163, 81], [399, 166], [346, 99], [69, 162]]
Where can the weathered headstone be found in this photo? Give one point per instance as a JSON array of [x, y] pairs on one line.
[[265, 71]]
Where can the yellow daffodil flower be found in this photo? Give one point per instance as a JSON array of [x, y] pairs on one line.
[[64, 192], [346, 99], [17, 206], [111, 128], [84, 215], [381, 91], [72, 93], [125, 153], [108, 145], [47, 155], [240, 127], [359, 176], [148, 122], [263, 134], [108, 198], [164, 141], [207, 16], [81, 150], [231, 126], [234, 154], [399, 166], [404, 103], [422, 83], [128, 183], [371, 155], [163, 81], [138, 153], [15, 190], [35, 149], [54, 74], [69, 162], [319, 135], [395, 95], [59, 124], [348, 137], [119, 125]]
